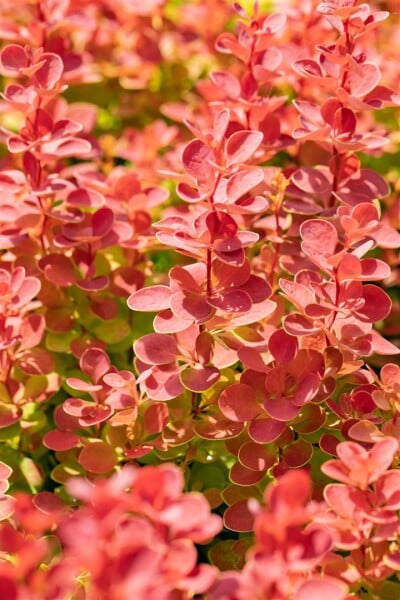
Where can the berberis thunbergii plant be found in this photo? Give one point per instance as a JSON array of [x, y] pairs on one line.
[[199, 300]]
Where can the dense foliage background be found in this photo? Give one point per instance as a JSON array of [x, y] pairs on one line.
[[199, 300]]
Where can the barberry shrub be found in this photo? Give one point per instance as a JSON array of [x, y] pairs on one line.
[[199, 300]]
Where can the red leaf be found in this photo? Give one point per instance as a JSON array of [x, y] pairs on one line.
[[344, 122], [349, 268], [93, 285], [221, 225], [243, 476], [238, 403], [60, 440], [102, 221], [216, 427], [265, 431], [97, 457], [238, 517], [83, 198], [298, 454], [58, 269], [37, 361], [282, 346], [256, 457], [377, 303], [155, 418]]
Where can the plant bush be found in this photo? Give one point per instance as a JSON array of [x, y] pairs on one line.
[[199, 300]]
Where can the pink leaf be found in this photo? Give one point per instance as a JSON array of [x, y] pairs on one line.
[[163, 383], [29, 288], [320, 238], [7, 507], [373, 268], [297, 324], [274, 23], [280, 407], [232, 301], [308, 67], [51, 70], [220, 125], [66, 147], [241, 145], [323, 587], [311, 181], [227, 82], [150, 299], [243, 182], [95, 363], [31, 330], [197, 158], [5, 471], [155, 418], [363, 78], [13, 58], [167, 322], [156, 349], [199, 378]]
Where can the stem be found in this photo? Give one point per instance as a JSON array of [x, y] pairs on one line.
[[209, 263]]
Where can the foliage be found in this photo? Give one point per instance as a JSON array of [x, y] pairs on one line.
[[199, 300]]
